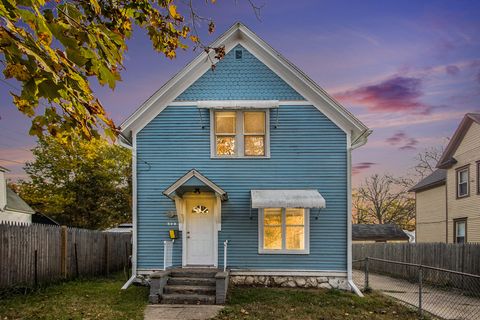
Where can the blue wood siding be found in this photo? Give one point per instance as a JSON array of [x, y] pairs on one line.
[[307, 151], [244, 79]]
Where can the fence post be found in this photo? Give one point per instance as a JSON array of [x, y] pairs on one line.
[[367, 285], [76, 260], [64, 251], [420, 291], [107, 266]]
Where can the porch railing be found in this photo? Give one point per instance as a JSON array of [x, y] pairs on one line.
[[167, 254], [225, 247]]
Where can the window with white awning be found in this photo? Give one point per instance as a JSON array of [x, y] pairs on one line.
[[284, 219]]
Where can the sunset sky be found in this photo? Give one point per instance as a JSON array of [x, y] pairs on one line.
[[409, 70]]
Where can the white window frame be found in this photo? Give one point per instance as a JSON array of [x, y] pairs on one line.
[[459, 172], [239, 135], [306, 226]]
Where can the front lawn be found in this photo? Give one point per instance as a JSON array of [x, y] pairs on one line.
[[276, 303], [80, 299]]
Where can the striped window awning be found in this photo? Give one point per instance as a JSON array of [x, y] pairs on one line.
[[307, 198]]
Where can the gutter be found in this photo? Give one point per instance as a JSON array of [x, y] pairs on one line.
[[124, 142], [361, 139]]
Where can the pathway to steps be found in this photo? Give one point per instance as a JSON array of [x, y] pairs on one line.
[[181, 312]]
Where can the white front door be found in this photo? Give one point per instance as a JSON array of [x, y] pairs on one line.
[[200, 231]]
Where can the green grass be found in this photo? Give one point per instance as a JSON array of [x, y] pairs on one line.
[[277, 303], [80, 299]]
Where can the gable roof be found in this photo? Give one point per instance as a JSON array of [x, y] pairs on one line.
[[15, 203], [435, 179], [377, 232], [239, 34], [447, 161], [194, 179]]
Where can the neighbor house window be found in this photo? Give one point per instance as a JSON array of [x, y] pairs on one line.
[[240, 133], [478, 177], [462, 182], [283, 230], [460, 233]]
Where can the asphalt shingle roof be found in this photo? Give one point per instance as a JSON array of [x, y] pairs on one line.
[[437, 178], [377, 232], [15, 203]]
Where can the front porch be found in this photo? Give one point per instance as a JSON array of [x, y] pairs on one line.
[[189, 286]]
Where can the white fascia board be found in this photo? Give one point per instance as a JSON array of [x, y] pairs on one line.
[[239, 34], [237, 104]]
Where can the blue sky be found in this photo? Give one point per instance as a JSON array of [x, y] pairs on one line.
[[408, 69]]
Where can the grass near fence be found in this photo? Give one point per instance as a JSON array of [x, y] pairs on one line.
[[78, 299], [277, 303]]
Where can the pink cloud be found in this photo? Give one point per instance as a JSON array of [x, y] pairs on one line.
[[398, 93], [362, 166], [402, 140], [452, 70]]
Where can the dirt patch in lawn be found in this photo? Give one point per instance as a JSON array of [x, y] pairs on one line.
[[277, 303]]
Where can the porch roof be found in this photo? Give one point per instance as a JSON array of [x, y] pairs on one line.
[[306, 198], [193, 180]]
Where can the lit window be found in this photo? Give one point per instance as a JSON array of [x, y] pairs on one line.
[[283, 230], [462, 183], [225, 133], [240, 133], [461, 231], [200, 209]]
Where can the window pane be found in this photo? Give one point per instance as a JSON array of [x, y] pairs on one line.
[[463, 176], [254, 146], [460, 229], [295, 216], [225, 145], [272, 216], [254, 122], [225, 122], [295, 239], [272, 237], [462, 189]]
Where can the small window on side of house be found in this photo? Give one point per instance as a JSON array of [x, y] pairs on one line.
[[460, 231], [462, 183]]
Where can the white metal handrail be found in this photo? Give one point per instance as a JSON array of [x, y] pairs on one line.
[[167, 254], [225, 246]]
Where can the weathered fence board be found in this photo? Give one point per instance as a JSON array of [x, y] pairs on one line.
[[457, 257], [36, 254]]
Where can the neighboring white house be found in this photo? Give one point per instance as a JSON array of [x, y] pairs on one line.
[[12, 207]]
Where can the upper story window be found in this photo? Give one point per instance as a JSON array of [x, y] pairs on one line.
[[462, 182], [478, 177], [283, 230], [240, 133]]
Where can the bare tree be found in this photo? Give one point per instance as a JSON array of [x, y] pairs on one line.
[[426, 161], [385, 199]]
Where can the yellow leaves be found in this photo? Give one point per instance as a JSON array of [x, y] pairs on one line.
[[23, 105], [17, 71], [194, 39], [95, 6], [172, 9]]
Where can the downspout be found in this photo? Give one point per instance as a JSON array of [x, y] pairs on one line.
[[124, 142], [349, 213]]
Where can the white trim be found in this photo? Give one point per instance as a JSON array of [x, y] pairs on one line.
[[349, 217], [239, 34], [306, 228], [239, 136], [190, 174], [134, 205], [194, 103], [287, 272], [238, 104]]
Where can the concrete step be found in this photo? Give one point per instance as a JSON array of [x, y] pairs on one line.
[[191, 281], [174, 298], [182, 289], [193, 273]]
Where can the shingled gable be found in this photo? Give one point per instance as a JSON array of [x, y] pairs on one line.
[[447, 160], [239, 34]]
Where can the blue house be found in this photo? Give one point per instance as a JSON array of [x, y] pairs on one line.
[[245, 168]]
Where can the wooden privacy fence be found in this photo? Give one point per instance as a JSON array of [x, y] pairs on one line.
[[38, 254], [456, 257]]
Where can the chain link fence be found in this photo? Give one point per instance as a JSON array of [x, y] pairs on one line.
[[435, 292]]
